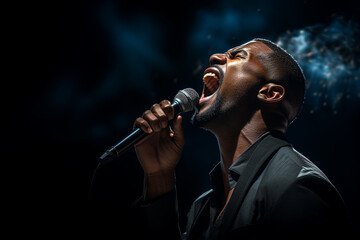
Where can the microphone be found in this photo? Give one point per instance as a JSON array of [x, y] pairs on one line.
[[184, 101]]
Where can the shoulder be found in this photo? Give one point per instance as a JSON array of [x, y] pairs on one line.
[[290, 179], [293, 191], [288, 165], [288, 170]]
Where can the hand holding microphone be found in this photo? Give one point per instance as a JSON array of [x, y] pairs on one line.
[[154, 121], [160, 152]]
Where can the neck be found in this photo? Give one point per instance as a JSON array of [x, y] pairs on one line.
[[232, 144], [234, 141]]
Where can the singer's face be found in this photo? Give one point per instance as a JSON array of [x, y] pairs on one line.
[[231, 85]]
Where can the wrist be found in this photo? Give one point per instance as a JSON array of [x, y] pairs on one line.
[[157, 184]]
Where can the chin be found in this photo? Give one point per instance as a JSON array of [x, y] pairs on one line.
[[204, 118]]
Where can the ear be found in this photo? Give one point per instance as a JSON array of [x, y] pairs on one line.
[[271, 93]]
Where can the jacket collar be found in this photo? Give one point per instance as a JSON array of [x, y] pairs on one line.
[[235, 170]]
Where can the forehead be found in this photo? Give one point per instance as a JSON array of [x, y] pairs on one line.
[[253, 47]]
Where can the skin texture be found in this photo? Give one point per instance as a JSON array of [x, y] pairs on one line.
[[244, 107]]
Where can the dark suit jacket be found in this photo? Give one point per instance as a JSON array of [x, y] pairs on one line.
[[281, 194]]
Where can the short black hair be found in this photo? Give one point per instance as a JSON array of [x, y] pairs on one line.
[[284, 70]]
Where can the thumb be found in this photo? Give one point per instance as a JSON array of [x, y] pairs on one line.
[[179, 138]]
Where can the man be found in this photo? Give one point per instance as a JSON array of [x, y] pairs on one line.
[[262, 186]]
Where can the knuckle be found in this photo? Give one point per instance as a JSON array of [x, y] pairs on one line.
[[154, 106], [167, 108], [146, 113], [139, 122], [159, 112], [165, 103]]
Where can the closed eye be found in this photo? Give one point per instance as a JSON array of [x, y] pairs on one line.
[[240, 53]]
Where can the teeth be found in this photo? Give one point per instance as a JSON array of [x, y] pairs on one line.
[[210, 74], [211, 81]]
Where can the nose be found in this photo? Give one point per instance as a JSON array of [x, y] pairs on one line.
[[218, 58]]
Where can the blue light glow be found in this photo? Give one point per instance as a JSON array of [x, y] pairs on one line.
[[329, 58]]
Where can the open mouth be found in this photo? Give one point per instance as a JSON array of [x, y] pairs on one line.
[[211, 80]]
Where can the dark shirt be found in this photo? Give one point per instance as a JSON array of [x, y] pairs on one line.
[[277, 192]]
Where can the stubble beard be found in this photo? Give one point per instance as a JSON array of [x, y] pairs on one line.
[[209, 115], [220, 114]]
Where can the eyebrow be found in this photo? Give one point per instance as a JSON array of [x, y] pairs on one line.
[[241, 50], [238, 50]]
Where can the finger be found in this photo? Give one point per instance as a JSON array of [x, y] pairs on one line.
[[152, 120], [167, 108], [179, 138], [171, 131], [160, 114], [143, 125]]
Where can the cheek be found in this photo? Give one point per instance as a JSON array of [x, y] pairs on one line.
[[237, 85]]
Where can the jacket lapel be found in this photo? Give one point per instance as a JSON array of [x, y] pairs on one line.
[[257, 162]]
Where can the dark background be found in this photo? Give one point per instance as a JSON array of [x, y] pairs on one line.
[[85, 70]]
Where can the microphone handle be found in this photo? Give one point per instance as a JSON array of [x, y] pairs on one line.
[[134, 137]]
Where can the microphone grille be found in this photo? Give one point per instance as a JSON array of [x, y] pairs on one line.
[[188, 99]]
